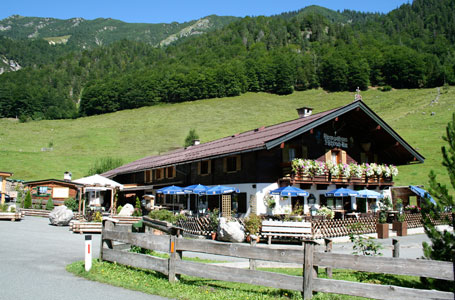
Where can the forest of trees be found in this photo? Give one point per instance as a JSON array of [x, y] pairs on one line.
[[410, 47]]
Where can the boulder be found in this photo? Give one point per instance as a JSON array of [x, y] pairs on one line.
[[127, 210], [231, 231], [61, 216]]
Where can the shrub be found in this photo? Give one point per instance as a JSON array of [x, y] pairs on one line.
[[50, 204], [214, 220], [163, 215], [326, 212], [13, 209], [137, 209], [72, 204], [3, 207], [253, 224], [97, 217], [28, 200], [119, 208], [386, 88]]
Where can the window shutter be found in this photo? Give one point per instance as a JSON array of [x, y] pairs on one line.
[[209, 167], [363, 157], [147, 176], [328, 156], [225, 164], [343, 157], [199, 168], [238, 161], [376, 158]]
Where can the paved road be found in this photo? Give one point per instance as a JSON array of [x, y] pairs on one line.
[[34, 255]]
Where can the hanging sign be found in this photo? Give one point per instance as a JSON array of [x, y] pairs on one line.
[[335, 141]]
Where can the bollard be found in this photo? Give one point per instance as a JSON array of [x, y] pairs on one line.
[[88, 252]]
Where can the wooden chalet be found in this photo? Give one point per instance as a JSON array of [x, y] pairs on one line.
[[3, 176], [58, 190], [259, 160]]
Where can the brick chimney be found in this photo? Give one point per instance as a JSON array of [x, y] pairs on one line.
[[304, 112]]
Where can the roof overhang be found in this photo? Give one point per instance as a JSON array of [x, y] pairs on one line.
[[354, 105]]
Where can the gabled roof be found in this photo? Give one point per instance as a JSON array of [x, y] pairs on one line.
[[253, 140], [63, 182]]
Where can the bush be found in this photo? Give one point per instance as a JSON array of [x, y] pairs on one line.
[[72, 204], [28, 200], [163, 215], [137, 209], [50, 204], [119, 208], [253, 224], [386, 88]]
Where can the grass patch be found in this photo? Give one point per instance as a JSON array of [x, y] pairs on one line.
[[133, 134], [197, 288], [140, 250]]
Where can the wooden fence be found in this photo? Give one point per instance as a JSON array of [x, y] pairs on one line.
[[330, 228], [117, 239]]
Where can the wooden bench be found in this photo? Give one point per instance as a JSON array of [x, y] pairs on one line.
[[300, 230], [125, 220]]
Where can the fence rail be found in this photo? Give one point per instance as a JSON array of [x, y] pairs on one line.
[[306, 256]]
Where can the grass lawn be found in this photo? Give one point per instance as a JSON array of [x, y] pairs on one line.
[[133, 134], [197, 288]]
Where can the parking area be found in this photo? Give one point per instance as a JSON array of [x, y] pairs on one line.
[[34, 256]]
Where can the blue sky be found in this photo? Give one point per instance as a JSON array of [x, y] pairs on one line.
[[153, 11]]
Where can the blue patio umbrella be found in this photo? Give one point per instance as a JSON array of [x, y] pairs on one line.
[[171, 190], [341, 192], [289, 191], [422, 193], [369, 194], [197, 189], [221, 189]]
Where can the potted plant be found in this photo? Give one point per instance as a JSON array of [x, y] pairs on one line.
[[253, 227], [214, 222], [400, 225], [382, 228], [270, 202]]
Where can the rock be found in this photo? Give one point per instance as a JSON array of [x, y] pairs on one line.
[[127, 210], [230, 231], [61, 216]]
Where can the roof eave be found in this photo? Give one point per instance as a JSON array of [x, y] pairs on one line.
[[357, 104]]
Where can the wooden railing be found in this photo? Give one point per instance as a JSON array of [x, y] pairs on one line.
[[328, 178], [306, 255]]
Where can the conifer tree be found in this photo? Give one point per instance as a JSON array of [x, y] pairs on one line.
[[28, 200], [50, 204], [442, 242]]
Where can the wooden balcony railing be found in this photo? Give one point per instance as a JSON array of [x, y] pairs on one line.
[[329, 179]]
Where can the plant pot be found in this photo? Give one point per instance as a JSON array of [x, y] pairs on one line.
[[213, 235], [383, 230], [401, 228]]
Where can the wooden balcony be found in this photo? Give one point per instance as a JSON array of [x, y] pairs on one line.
[[329, 179]]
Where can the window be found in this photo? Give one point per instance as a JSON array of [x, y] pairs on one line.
[[43, 191], [204, 167], [336, 156], [232, 164], [148, 176], [170, 172], [159, 174]]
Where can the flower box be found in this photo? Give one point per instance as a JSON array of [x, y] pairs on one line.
[[383, 230], [401, 228]]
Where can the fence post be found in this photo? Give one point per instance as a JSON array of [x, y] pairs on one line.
[[328, 248], [396, 248], [308, 270], [253, 261], [174, 256]]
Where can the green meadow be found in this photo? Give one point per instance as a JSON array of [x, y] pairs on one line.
[[133, 134]]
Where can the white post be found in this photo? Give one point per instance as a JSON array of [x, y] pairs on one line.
[[88, 252]]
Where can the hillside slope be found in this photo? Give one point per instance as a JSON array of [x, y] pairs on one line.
[[132, 134], [80, 33]]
